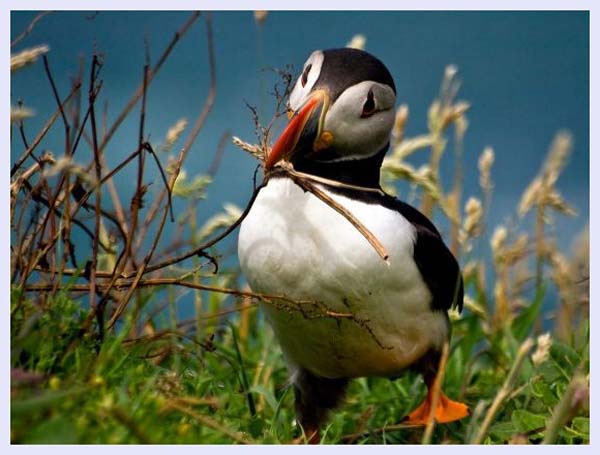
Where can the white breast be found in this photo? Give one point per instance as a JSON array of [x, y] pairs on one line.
[[294, 244]]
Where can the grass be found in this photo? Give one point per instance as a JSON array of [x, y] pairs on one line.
[[100, 354], [183, 390]]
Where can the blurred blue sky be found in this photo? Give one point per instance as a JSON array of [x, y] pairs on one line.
[[526, 75]]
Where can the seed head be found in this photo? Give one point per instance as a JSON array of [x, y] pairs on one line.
[[542, 352], [358, 41], [486, 160]]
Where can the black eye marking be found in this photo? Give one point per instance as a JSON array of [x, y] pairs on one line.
[[304, 77], [369, 106]]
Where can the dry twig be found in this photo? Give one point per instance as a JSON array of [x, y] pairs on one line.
[[29, 27]]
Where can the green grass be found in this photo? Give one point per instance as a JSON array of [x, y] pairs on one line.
[[182, 390]]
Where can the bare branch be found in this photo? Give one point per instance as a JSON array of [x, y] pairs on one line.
[[138, 93], [29, 28], [42, 132], [190, 140]]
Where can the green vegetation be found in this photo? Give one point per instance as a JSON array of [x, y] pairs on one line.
[[176, 389], [99, 354]]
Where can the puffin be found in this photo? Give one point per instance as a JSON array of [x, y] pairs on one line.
[[293, 244]]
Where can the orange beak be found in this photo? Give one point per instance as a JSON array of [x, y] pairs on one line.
[[297, 128]]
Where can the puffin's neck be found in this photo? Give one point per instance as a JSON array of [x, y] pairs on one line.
[[361, 172]]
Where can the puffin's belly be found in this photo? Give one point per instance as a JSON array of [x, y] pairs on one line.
[[294, 244]]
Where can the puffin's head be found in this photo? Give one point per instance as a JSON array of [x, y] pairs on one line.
[[341, 109]]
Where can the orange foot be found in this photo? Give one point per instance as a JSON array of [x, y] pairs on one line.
[[447, 411]]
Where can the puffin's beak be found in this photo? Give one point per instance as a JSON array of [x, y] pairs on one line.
[[304, 130]]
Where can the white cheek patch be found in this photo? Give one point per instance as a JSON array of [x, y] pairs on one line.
[[356, 136], [351, 101], [300, 94]]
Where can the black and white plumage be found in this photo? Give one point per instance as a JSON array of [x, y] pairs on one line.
[[292, 243]]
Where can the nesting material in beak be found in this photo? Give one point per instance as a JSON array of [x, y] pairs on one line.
[[299, 127]]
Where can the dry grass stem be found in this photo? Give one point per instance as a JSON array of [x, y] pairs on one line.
[[375, 243], [208, 422], [29, 27], [504, 391], [304, 181], [576, 396], [254, 150], [437, 390]]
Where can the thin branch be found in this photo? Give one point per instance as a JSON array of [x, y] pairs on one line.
[[148, 147], [210, 99], [375, 243], [186, 148], [199, 250], [98, 199], [35, 167], [135, 205], [151, 214], [23, 135], [56, 97], [75, 221], [59, 213], [42, 132], [305, 182], [53, 200], [208, 422], [112, 190], [66, 176], [138, 93], [29, 28], [267, 298], [309, 309], [214, 166]]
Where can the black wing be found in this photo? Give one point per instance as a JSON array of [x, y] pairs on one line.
[[437, 264]]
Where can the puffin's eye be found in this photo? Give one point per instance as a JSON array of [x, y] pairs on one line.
[[369, 106], [304, 78]]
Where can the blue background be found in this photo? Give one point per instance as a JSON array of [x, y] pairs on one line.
[[526, 75]]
